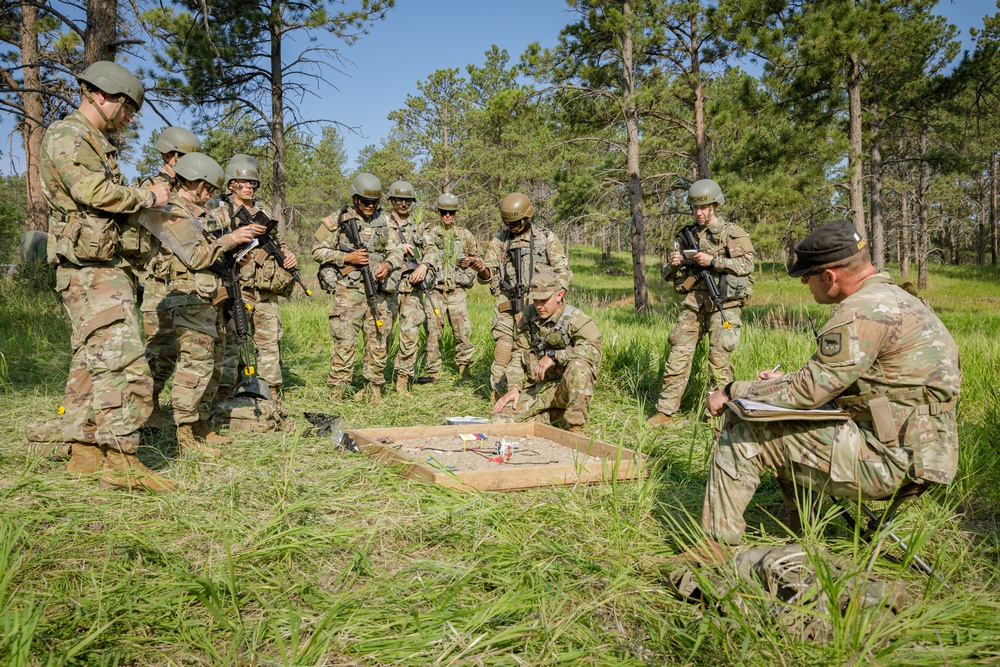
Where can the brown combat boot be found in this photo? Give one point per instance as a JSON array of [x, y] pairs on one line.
[[86, 458], [376, 395], [188, 442], [203, 432], [463, 372], [335, 394], [402, 381], [577, 429], [660, 419], [126, 472]]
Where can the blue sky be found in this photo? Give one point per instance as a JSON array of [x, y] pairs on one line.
[[421, 36]]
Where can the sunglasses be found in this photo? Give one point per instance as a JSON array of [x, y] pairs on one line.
[[444, 213], [368, 202], [240, 182]]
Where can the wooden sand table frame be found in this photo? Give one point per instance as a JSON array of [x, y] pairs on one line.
[[542, 456]]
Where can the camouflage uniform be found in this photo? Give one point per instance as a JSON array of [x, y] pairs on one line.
[[565, 393], [262, 281], [542, 251], [161, 341], [880, 342], [450, 296], [351, 312], [733, 272], [197, 324], [410, 298], [109, 388]]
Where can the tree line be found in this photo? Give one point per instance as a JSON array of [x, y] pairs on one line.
[[802, 111]]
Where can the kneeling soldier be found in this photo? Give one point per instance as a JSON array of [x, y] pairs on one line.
[[557, 351]]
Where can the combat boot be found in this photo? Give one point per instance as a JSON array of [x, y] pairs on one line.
[[463, 372], [86, 458], [577, 429], [335, 394], [660, 419], [203, 432], [401, 385], [187, 441], [376, 395], [126, 471], [59, 451]]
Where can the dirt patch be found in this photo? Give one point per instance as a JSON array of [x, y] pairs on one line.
[[495, 453]]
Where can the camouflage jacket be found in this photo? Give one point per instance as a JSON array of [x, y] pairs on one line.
[[453, 244], [87, 195], [424, 252], [192, 283], [733, 270], [882, 343], [569, 333], [327, 252], [541, 251], [161, 176], [261, 275]]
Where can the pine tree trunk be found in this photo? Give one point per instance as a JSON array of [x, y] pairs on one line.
[[278, 129], [638, 229], [33, 128], [904, 232], [923, 242], [878, 230], [854, 162], [700, 140], [983, 206], [993, 208], [101, 35]]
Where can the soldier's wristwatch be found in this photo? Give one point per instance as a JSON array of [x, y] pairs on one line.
[[551, 354]]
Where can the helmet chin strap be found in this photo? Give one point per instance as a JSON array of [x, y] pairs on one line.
[[118, 106]]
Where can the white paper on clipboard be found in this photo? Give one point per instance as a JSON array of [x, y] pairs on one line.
[[243, 253]]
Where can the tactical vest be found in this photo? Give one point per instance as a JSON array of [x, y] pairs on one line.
[[374, 237], [179, 279], [558, 338], [534, 258], [450, 277], [398, 280], [724, 246]]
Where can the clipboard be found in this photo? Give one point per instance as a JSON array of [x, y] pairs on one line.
[[756, 411]]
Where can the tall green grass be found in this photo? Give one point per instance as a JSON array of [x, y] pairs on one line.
[[288, 551]]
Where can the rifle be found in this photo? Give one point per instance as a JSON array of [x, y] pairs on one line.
[[516, 291], [267, 242], [703, 273], [411, 265], [349, 228]]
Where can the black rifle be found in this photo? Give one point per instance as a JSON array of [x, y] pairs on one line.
[[349, 228], [702, 273], [267, 242], [411, 265], [516, 291]]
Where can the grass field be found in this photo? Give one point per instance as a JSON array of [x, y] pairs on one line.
[[289, 551]]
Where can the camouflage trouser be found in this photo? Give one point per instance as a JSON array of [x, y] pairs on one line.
[[503, 347], [267, 333], [198, 344], [451, 304], [218, 355], [161, 341], [411, 317], [349, 316], [565, 398], [691, 326], [830, 457], [109, 391]]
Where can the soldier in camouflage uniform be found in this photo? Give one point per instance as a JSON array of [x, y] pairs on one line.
[[538, 250], [557, 349], [884, 356], [340, 274], [109, 388], [161, 341], [193, 298], [725, 249], [456, 247], [261, 280], [419, 258]]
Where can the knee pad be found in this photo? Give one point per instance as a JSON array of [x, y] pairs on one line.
[[503, 351]]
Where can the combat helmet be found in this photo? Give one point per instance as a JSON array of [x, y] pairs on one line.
[[516, 211], [114, 79], [402, 190], [199, 167], [447, 202], [247, 169], [705, 191], [366, 186], [177, 140]]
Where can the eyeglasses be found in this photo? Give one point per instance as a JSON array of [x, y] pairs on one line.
[[242, 182], [368, 202], [814, 272], [208, 186], [444, 213]]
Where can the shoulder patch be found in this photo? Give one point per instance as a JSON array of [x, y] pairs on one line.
[[835, 344], [330, 223]]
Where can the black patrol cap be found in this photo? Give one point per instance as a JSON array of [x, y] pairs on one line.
[[830, 243]]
